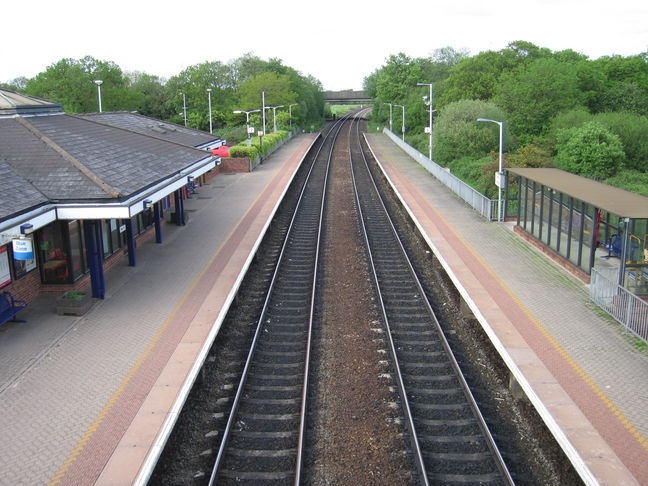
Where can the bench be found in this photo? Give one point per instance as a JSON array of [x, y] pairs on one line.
[[9, 307], [613, 246]]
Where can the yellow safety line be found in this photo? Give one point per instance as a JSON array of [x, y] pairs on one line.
[[617, 413], [56, 479]]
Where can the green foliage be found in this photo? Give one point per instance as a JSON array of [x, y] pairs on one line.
[[470, 170], [244, 151], [399, 75], [590, 150], [458, 134], [71, 83], [533, 95], [630, 180], [632, 130], [536, 154]]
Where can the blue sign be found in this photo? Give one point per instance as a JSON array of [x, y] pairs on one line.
[[23, 249]]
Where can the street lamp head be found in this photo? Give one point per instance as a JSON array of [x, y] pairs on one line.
[[98, 82], [209, 90], [237, 111]]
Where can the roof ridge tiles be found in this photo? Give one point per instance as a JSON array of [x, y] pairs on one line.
[[103, 185]]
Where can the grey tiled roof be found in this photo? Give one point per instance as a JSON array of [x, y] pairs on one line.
[[41, 166], [154, 128], [69, 158], [16, 195], [125, 160]]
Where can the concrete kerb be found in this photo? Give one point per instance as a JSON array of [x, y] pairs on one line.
[[566, 445], [171, 419]]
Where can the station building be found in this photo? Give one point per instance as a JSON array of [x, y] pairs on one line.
[[77, 191]]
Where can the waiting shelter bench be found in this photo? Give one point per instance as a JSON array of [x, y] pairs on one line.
[[9, 307]]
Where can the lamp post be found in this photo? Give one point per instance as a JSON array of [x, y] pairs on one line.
[[99, 82], [500, 174], [391, 116], [184, 108], [403, 126], [290, 113], [274, 116], [429, 104], [263, 109], [210, 114], [247, 122]]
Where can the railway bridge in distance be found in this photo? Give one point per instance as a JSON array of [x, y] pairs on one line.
[[347, 97]]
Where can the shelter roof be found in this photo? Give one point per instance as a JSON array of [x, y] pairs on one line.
[[611, 199], [12, 103], [154, 128]]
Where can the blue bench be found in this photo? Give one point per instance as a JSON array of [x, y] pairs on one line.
[[9, 307], [613, 246]]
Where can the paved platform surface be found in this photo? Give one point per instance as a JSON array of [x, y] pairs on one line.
[[83, 400], [586, 377]]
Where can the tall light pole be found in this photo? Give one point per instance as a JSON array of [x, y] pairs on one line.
[[391, 116], [274, 116], [263, 108], [429, 104], [247, 122], [210, 114], [184, 108], [500, 175], [403, 126], [99, 82], [290, 112]]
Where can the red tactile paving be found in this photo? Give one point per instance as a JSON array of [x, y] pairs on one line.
[[540, 345], [115, 447]]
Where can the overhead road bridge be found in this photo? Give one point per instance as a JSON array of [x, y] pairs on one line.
[[347, 97]]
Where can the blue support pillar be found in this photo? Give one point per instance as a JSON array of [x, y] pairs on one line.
[[130, 241], [157, 217], [94, 256], [179, 208]]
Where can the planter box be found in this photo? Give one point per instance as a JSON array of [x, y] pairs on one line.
[[73, 306]]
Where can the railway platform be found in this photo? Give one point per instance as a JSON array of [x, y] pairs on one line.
[[579, 370], [85, 400]]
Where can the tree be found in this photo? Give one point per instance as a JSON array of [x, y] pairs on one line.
[[590, 150], [457, 133], [474, 78], [397, 77], [70, 82], [151, 95], [532, 96]]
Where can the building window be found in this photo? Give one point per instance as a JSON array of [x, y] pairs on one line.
[[77, 253], [5, 272], [54, 255]]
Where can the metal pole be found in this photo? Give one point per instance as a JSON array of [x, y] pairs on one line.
[[264, 108], [210, 113], [184, 108], [499, 193]]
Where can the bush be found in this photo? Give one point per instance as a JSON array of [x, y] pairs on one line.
[[590, 150], [471, 171], [632, 130], [630, 180], [244, 151], [458, 134]]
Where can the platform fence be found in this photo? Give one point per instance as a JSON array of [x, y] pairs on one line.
[[623, 305], [480, 203]]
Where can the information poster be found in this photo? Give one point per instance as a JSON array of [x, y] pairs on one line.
[[5, 273]]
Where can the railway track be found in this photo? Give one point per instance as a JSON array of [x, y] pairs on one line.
[[263, 438], [259, 431], [450, 441]]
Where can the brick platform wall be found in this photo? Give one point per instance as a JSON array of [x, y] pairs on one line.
[[235, 164]]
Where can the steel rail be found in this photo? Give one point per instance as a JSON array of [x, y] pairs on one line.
[[330, 136], [501, 466]]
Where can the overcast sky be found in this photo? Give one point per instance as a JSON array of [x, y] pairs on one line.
[[338, 42]]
